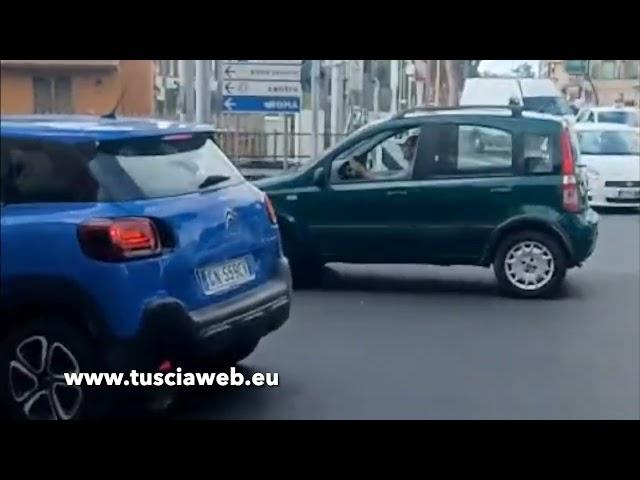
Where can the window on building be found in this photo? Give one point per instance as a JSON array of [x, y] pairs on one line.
[[62, 102], [603, 69], [52, 95], [42, 95], [631, 69]]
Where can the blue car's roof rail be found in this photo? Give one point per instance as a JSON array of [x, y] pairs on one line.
[[516, 110]]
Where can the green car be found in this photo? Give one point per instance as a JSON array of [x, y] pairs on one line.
[[416, 188]]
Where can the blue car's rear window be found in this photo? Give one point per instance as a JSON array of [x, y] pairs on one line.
[[120, 170]]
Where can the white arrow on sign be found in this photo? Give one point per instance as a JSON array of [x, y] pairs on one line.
[[229, 104], [262, 72], [263, 89]]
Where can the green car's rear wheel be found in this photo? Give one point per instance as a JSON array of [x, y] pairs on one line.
[[530, 264]]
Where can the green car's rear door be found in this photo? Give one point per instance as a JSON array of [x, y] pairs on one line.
[[465, 186]]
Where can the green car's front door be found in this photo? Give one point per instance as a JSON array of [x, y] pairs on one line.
[[365, 222], [366, 219]]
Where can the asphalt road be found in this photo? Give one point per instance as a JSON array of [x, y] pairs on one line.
[[421, 342]]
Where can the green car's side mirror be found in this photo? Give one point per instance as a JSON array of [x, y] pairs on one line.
[[319, 177]]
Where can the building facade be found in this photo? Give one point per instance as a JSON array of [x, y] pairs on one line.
[[92, 87], [167, 88], [613, 80]]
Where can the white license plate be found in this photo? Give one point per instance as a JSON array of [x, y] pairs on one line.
[[629, 193], [215, 278]]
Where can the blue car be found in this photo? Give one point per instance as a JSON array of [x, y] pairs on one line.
[[126, 243]]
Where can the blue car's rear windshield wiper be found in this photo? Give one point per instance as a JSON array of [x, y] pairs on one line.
[[212, 180]]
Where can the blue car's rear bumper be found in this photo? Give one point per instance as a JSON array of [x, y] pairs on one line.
[[170, 332]]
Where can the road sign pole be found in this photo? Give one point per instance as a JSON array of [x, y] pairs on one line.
[[437, 94], [187, 89], [219, 80], [202, 91], [183, 100], [315, 104], [285, 158], [394, 86], [236, 140], [335, 100]]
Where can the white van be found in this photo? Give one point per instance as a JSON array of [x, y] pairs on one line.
[[533, 94]]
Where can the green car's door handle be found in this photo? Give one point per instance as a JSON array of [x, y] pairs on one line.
[[396, 192], [501, 190]]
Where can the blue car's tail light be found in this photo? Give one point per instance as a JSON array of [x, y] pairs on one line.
[[119, 239]]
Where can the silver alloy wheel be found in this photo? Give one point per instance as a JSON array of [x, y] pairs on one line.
[[36, 380], [529, 265]]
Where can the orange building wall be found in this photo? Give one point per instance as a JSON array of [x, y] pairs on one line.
[[95, 91], [138, 76], [16, 93]]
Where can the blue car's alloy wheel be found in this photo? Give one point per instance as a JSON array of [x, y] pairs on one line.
[[37, 382], [33, 361]]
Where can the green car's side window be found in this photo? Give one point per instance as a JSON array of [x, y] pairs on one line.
[[385, 156], [537, 154], [465, 150], [484, 149]]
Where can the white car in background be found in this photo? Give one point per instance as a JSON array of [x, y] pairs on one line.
[[533, 94], [611, 154], [623, 115]]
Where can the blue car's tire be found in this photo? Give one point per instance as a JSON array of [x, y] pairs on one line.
[[33, 360], [230, 356]]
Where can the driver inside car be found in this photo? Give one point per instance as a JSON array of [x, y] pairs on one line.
[[357, 169]]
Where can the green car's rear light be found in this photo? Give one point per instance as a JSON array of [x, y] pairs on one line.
[[571, 201]]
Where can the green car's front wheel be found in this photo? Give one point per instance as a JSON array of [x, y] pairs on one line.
[[306, 269], [306, 274]]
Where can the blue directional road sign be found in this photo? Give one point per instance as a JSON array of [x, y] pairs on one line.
[[246, 104], [261, 86]]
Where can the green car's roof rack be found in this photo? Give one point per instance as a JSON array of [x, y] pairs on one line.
[[516, 110]]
